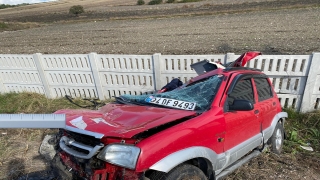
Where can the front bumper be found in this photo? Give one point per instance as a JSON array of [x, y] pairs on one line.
[[66, 166]]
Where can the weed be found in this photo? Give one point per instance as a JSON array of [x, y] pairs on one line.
[[153, 2], [12, 103], [3, 25], [140, 2], [302, 129], [170, 1], [76, 10]]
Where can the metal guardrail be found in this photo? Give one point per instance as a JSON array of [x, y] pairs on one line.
[[32, 121]]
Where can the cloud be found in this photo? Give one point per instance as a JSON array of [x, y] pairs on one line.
[[15, 2]]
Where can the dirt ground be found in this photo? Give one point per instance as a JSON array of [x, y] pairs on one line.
[[207, 27]]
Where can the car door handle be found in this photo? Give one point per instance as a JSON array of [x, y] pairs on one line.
[[256, 111], [274, 103]]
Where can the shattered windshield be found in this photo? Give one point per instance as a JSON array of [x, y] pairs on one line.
[[196, 96]]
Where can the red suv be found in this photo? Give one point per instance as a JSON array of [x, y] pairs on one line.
[[203, 129]]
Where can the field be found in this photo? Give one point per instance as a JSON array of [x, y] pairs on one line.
[[122, 27]]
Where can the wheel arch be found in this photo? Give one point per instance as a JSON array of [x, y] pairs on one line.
[[267, 133], [202, 157], [202, 163]]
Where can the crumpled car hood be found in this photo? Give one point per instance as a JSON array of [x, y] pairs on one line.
[[118, 120]]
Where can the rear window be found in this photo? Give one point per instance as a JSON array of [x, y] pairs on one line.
[[263, 88]]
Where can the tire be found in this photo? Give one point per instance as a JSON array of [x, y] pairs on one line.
[[181, 172], [277, 139]]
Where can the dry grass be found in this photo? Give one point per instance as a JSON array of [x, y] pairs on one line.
[[19, 147], [19, 152], [14, 26]]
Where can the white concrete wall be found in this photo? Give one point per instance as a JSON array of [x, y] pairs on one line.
[[296, 78]]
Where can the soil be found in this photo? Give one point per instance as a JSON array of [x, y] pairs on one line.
[[206, 27]]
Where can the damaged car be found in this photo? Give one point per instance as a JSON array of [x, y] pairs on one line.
[[203, 129]]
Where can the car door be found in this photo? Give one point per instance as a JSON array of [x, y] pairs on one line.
[[242, 127], [266, 101]]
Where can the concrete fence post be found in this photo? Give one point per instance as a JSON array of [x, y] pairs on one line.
[[229, 58], [2, 87], [37, 59], [96, 77], [156, 58], [311, 93]]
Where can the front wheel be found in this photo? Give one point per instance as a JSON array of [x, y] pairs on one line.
[[277, 139], [181, 172]]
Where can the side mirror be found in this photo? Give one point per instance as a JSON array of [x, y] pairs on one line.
[[241, 105]]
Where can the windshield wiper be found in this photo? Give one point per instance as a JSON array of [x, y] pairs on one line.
[[122, 101]]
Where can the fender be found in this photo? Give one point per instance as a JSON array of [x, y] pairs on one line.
[[176, 158], [218, 161], [267, 133]]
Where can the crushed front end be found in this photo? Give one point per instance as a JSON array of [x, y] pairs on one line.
[[86, 155]]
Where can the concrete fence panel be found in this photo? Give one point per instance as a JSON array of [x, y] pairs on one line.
[[19, 73], [178, 66], [69, 75], [125, 74], [296, 78]]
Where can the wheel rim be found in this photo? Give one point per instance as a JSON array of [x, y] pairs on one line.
[[278, 139]]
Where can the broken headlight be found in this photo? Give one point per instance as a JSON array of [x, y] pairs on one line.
[[120, 154]]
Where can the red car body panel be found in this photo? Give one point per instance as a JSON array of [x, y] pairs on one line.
[[240, 126], [124, 121], [203, 130]]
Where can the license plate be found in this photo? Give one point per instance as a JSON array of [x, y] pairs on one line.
[[172, 103]]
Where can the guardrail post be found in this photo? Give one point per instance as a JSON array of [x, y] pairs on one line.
[[156, 62], [96, 77], [312, 88], [39, 65]]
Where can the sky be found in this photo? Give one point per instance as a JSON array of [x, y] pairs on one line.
[[15, 2]]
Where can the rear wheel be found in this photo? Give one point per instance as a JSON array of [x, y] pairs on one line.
[[181, 172], [277, 139]]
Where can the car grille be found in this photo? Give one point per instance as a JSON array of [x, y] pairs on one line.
[[84, 139]]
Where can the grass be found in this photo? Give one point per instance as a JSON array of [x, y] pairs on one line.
[[14, 26], [19, 147], [303, 129], [3, 25], [13, 103]]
